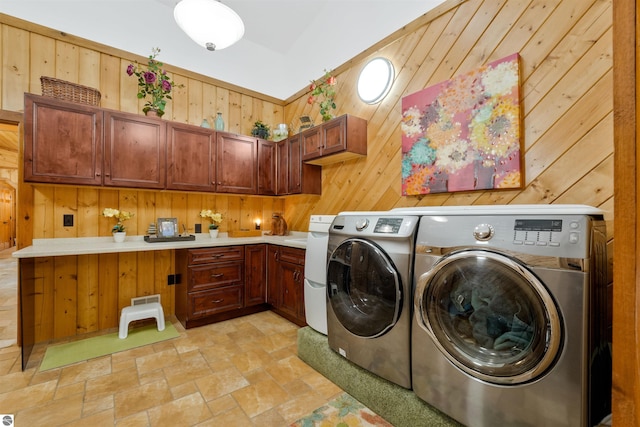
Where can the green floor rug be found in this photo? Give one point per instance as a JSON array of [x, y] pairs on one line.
[[66, 354]]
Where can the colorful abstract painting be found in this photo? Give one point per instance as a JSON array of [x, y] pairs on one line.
[[464, 134]]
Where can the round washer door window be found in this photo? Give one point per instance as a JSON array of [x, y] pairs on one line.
[[490, 316], [364, 288]]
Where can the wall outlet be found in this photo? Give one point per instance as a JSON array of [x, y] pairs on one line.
[[173, 279], [67, 220], [198, 228]]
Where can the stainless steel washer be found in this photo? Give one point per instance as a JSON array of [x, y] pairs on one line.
[[370, 292], [510, 316]]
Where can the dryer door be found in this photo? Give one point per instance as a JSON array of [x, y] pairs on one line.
[[364, 288], [490, 316]]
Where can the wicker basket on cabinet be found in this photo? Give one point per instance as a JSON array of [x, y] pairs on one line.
[[68, 91]]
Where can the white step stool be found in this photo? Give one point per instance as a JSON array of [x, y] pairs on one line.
[[139, 312]]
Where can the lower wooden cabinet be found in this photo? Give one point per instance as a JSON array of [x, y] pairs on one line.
[[255, 264], [212, 284], [224, 282], [285, 292]]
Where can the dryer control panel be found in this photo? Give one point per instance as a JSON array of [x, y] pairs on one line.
[[393, 226]]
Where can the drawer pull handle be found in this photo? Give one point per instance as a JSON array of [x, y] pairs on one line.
[[217, 255], [217, 301], [215, 276]]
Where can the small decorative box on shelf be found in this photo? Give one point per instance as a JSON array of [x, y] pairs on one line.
[[155, 239]]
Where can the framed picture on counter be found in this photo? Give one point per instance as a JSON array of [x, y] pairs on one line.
[[167, 227]]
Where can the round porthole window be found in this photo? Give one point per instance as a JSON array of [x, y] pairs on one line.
[[375, 80]]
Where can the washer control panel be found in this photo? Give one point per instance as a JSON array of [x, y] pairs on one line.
[[548, 235], [542, 232]]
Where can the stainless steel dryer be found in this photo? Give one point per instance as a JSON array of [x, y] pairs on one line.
[[370, 292], [510, 316]]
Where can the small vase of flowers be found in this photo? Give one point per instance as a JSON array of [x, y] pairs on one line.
[[153, 83], [215, 218], [118, 230], [323, 92]]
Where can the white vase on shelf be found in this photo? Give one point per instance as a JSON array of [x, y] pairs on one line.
[[118, 236], [213, 233]]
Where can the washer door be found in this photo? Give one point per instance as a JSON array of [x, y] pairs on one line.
[[490, 316], [364, 288]]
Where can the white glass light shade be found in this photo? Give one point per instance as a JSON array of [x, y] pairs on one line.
[[209, 23], [375, 80]]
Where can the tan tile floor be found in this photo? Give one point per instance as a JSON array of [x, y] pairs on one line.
[[242, 372]]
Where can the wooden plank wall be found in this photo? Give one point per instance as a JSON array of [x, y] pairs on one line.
[[566, 80], [626, 313], [85, 293]]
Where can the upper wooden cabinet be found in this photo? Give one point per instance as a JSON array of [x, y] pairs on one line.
[[339, 139], [191, 158], [302, 178], [282, 167], [63, 142], [267, 162], [295, 177], [134, 151], [236, 164], [78, 144]]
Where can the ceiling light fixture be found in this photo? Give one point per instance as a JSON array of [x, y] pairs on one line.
[[209, 23]]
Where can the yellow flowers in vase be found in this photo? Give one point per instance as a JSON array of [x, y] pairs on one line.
[[120, 216], [214, 217]]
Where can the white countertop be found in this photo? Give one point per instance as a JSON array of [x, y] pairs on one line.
[[105, 245]]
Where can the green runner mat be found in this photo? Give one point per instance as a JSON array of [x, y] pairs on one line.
[[66, 354]]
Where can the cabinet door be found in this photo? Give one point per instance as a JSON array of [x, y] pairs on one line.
[[295, 165], [62, 142], [255, 278], [292, 282], [334, 137], [135, 151], [311, 140], [266, 167], [282, 169], [273, 286], [236, 164], [191, 158]]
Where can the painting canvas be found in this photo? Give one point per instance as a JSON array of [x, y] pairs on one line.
[[464, 134]]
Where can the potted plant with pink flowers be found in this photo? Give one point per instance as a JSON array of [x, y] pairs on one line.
[[323, 92], [153, 82]]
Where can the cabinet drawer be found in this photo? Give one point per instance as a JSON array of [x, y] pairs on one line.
[[216, 275], [292, 255], [224, 253], [206, 303]]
